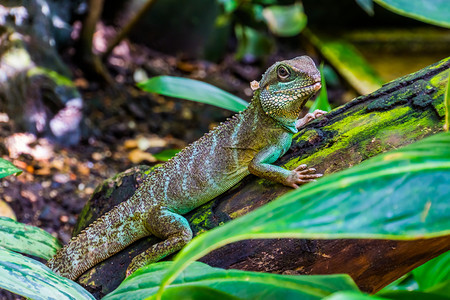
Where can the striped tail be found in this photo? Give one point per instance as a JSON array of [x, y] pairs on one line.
[[109, 234]]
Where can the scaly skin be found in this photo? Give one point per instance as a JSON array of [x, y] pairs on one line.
[[249, 142]]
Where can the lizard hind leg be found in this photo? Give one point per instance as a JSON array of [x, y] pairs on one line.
[[175, 231]]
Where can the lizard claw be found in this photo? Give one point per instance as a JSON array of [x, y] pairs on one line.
[[309, 117], [301, 175]]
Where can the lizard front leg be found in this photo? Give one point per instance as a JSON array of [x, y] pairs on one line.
[[172, 228], [309, 117], [261, 166]]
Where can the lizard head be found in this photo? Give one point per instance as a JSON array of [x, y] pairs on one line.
[[286, 86]]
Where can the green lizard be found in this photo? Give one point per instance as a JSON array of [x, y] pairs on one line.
[[249, 142]]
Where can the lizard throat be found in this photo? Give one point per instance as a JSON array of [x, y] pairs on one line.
[[285, 105]]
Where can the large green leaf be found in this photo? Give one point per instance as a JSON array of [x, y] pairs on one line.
[[349, 295], [285, 20], [7, 168], [430, 11], [27, 239], [193, 90], [401, 194], [433, 273], [27, 277], [412, 295], [241, 284], [432, 277]]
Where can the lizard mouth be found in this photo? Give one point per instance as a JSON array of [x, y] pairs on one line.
[[307, 88]]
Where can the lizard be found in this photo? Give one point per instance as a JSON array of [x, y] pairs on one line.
[[247, 143]]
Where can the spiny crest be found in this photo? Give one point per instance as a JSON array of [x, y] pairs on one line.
[[228, 123]]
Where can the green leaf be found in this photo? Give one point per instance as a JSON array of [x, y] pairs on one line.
[[7, 168], [447, 106], [430, 277], [194, 292], [193, 90], [349, 295], [252, 44], [27, 239], [401, 194], [321, 100], [167, 154], [348, 61], [433, 272], [367, 5], [430, 11], [29, 278], [229, 6], [241, 284], [285, 21], [412, 295], [406, 282]]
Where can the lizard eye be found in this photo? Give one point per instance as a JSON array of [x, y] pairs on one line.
[[283, 72]]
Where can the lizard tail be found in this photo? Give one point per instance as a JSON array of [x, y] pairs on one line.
[[106, 236]]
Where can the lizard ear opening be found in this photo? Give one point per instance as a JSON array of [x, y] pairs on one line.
[[254, 85]]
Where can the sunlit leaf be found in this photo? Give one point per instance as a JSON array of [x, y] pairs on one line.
[[193, 90], [287, 20], [29, 278], [431, 277], [241, 284], [412, 295], [348, 61], [433, 272], [165, 155], [7, 168], [406, 282], [430, 11], [367, 5], [406, 192], [349, 295], [321, 101], [194, 292], [229, 5], [27, 239]]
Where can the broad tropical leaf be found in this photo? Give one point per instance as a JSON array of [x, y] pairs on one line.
[[29, 278], [434, 272], [27, 239], [193, 90], [241, 284], [430, 11]]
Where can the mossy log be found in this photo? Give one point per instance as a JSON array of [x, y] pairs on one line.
[[401, 112]]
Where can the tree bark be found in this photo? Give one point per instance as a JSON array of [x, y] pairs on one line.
[[401, 112]]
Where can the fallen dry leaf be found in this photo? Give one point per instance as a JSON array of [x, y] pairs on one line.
[[137, 156]]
